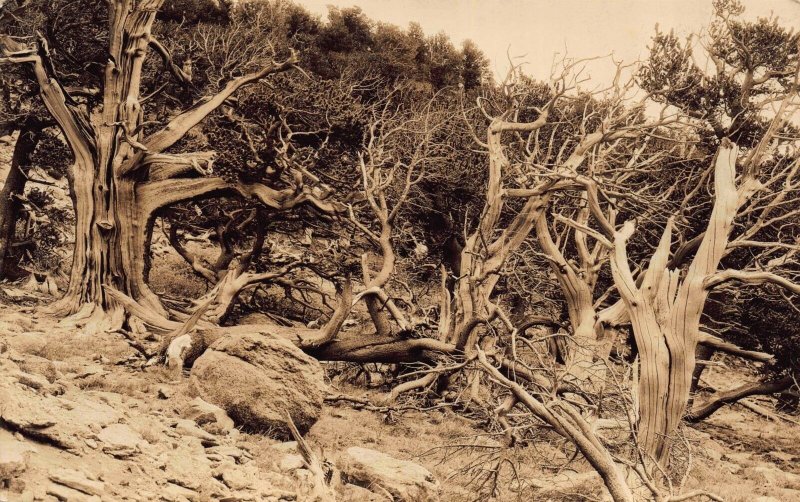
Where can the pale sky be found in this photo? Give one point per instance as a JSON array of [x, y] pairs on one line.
[[535, 29]]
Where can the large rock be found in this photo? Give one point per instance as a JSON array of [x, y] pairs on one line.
[[258, 380], [380, 473]]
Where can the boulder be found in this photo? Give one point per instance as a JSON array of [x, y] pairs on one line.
[[258, 380], [381, 473]]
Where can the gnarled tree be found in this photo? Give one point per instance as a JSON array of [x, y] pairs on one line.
[[122, 176]]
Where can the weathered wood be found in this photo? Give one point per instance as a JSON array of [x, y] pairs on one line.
[[730, 396]]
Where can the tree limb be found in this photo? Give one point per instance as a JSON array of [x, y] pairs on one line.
[[733, 349], [751, 277], [180, 125], [720, 399]]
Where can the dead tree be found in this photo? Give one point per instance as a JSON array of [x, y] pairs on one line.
[[399, 147], [472, 309], [755, 61], [666, 307], [553, 164]]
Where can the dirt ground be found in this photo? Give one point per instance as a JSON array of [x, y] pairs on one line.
[[738, 454]]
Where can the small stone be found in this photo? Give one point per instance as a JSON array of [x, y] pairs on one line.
[[120, 441], [291, 463], [404, 480], [230, 451], [77, 481], [203, 412], [188, 428], [165, 392], [176, 493], [13, 458], [185, 466], [91, 443], [355, 493], [235, 480], [66, 494]]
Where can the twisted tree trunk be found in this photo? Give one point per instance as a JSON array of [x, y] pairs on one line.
[[120, 179], [665, 310]]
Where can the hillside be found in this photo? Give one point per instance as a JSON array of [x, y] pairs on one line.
[[82, 420]]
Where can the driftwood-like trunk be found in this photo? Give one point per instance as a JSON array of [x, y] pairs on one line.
[[488, 247], [588, 345], [665, 310]]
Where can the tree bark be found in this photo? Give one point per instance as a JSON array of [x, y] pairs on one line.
[[29, 137]]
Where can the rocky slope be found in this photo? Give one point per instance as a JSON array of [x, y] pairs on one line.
[[82, 419]]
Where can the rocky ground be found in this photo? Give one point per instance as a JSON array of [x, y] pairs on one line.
[[81, 419]]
